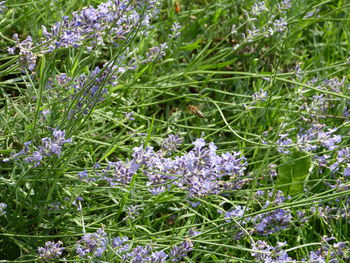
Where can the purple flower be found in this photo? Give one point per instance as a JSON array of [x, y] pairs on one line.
[[156, 53], [175, 30], [283, 143], [132, 211], [158, 257], [3, 206], [199, 171], [284, 5], [237, 211], [109, 22], [338, 252], [265, 223], [51, 250], [261, 95], [2, 7], [129, 116], [92, 245], [24, 48], [49, 147], [280, 25], [120, 173], [180, 251], [171, 143], [259, 7], [139, 254], [269, 254]]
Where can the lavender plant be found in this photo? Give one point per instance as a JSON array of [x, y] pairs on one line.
[[126, 174]]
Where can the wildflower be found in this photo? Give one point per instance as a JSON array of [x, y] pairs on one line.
[[283, 143], [90, 89], [192, 232], [175, 29], [51, 250], [155, 53], [342, 162], [158, 257], [92, 245], [257, 8], [129, 116], [139, 254], [23, 151], [120, 172], [120, 244], [83, 175], [267, 253], [261, 95], [338, 252], [312, 13], [264, 223], [2, 7], [171, 143], [132, 211], [3, 206], [237, 211], [49, 147], [284, 5], [198, 172], [280, 25], [24, 48], [180, 251], [252, 33], [110, 21]]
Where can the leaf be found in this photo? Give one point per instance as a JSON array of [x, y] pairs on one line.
[[293, 172]]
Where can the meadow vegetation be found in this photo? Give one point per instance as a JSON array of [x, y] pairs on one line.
[[174, 131]]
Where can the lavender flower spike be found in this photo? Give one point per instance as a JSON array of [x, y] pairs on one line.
[[51, 250]]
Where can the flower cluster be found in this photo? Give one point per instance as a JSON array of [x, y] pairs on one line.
[[331, 210], [199, 171], [24, 49], [175, 30], [110, 22], [86, 90], [180, 251], [320, 105], [263, 252], [155, 53], [343, 162], [284, 5], [94, 245], [2, 7], [48, 147], [274, 25], [259, 7], [261, 95], [273, 221], [170, 144], [283, 143], [51, 250], [310, 140], [265, 223], [337, 252]]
